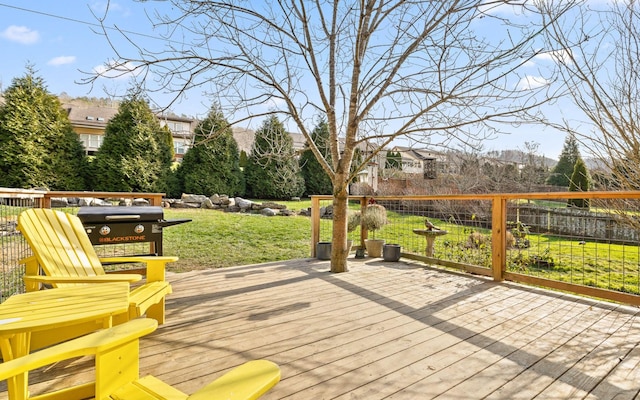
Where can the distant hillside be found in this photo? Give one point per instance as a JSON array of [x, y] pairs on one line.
[[519, 156]]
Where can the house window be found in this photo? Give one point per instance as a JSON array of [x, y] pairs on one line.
[[175, 127], [180, 147], [91, 142]]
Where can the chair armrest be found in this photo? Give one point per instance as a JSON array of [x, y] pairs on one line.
[[155, 264], [248, 381], [83, 279], [94, 343]]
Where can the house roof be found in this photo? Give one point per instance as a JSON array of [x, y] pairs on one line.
[[418, 154], [245, 137], [90, 116]]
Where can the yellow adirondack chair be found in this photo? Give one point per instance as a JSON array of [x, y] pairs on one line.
[[63, 251], [116, 352]]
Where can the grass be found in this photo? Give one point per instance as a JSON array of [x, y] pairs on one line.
[[216, 239]]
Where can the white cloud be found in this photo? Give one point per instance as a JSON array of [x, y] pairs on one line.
[[532, 82], [561, 56], [116, 70], [103, 7], [20, 34], [62, 60]]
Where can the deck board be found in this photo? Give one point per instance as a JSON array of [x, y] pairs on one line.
[[388, 330]]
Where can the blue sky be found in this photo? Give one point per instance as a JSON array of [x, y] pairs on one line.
[[63, 44], [60, 39]]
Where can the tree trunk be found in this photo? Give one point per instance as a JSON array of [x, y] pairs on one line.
[[339, 249]]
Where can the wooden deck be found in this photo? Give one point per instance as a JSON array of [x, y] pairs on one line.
[[390, 330]]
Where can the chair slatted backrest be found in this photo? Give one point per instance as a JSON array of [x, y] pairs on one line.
[[60, 243]]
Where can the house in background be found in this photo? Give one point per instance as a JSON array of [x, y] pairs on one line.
[[182, 132], [90, 121], [426, 163]]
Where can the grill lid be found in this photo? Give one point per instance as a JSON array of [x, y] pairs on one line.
[[120, 214]]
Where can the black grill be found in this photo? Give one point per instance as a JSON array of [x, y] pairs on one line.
[[118, 225]]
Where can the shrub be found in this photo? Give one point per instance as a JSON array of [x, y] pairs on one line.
[[374, 218]]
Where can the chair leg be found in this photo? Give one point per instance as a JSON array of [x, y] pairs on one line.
[[157, 312]]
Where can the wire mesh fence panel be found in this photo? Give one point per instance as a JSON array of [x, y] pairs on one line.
[[593, 246], [14, 246], [453, 230]]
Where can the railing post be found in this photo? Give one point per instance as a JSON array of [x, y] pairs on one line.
[[315, 224], [364, 234], [498, 237]]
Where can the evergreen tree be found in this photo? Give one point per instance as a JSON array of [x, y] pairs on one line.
[[243, 159], [167, 177], [394, 160], [272, 170], [316, 179], [134, 156], [38, 147], [561, 173], [212, 165], [580, 182]]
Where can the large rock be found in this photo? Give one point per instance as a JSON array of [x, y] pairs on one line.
[[209, 204], [275, 206], [269, 212], [182, 204], [244, 204], [193, 198], [59, 202], [90, 201]]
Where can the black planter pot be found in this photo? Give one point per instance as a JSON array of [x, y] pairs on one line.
[[391, 252], [323, 250]]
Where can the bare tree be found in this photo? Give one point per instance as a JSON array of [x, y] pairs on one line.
[[598, 48], [599, 51], [432, 72]]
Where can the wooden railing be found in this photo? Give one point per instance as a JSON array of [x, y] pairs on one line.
[[557, 253]]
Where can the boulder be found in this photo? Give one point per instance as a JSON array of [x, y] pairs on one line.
[[208, 204], [59, 202], [243, 203], [193, 198], [269, 212], [90, 201], [271, 204]]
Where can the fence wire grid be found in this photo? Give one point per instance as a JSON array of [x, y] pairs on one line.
[[595, 246]]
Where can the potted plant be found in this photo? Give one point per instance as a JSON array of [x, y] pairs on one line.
[[374, 217]]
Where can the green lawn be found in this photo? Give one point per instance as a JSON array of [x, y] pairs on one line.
[[218, 239]]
